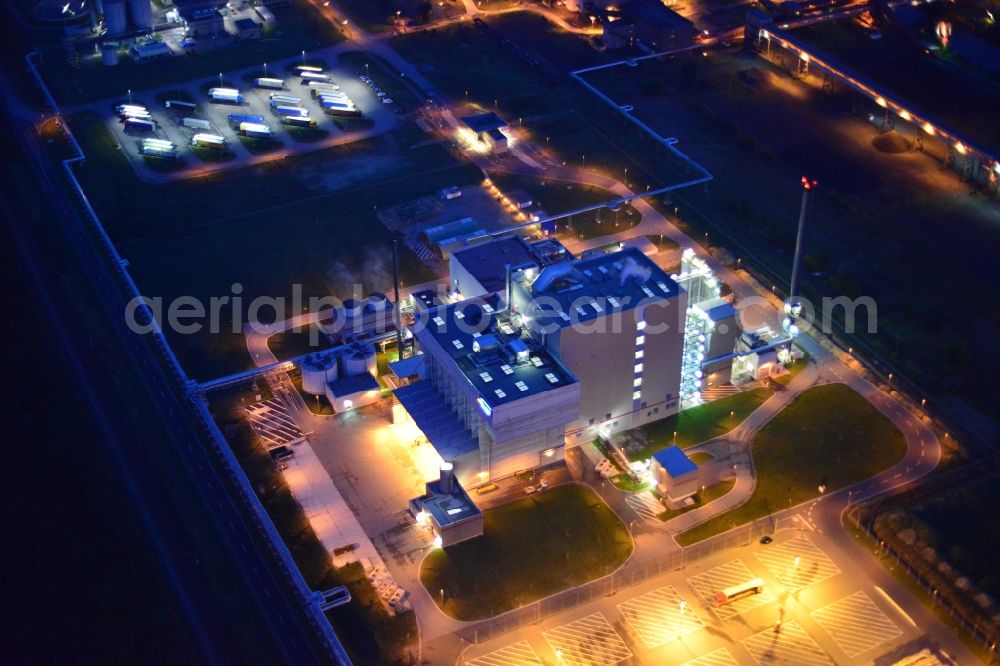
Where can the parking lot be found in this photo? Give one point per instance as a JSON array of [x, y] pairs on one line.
[[807, 615], [213, 117]]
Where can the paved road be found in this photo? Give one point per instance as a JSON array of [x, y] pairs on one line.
[[282, 611]]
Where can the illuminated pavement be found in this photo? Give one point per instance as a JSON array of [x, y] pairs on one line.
[[726, 575], [660, 616], [856, 624], [792, 645], [590, 641], [518, 654], [833, 618]]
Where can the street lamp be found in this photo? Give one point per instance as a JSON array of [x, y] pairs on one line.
[[130, 96], [265, 70], [303, 57], [220, 79]]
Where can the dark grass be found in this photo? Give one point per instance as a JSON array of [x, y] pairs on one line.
[[530, 549], [828, 435], [702, 423]]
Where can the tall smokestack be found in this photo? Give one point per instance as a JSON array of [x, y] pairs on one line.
[[807, 188], [397, 315]]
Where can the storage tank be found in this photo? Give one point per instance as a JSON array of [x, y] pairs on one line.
[[141, 12], [353, 308], [109, 54], [317, 371], [359, 359], [378, 302], [114, 17]]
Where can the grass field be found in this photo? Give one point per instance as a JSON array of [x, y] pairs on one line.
[[704, 422], [530, 549], [311, 222], [828, 435], [298, 27]]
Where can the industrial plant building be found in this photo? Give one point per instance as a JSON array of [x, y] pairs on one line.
[[647, 24]]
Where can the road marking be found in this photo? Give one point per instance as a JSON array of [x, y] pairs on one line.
[[657, 616], [856, 624], [589, 641], [797, 563], [720, 657], [726, 575], [898, 608], [646, 505], [791, 645], [516, 654]]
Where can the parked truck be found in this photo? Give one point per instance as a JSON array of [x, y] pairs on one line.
[[298, 121], [210, 141], [338, 108], [236, 118], [308, 77], [158, 148], [273, 84], [312, 69], [122, 108], [255, 130], [196, 123], [284, 99], [226, 96], [285, 110], [140, 125], [183, 106]]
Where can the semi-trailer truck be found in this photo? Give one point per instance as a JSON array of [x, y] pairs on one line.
[[210, 141], [196, 123], [308, 77], [237, 118], [273, 84], [285, 110], [284, 99], [226, 95], [177, 104], [298, 121], [140, 125], [255, 130], [299, 69]]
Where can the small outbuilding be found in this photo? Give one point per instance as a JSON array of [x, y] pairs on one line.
[[675, 474], [246, 29]]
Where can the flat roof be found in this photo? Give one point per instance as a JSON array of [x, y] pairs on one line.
[[652, 12], [588, 288], [502, 362], [448, 508], [484, 122], [353, 384], [487, 262], [675, 461]]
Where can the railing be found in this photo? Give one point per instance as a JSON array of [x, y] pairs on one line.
[[225, 454], [632, 573]]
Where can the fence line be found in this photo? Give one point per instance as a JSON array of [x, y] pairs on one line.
[[261, 520], [982, 631]]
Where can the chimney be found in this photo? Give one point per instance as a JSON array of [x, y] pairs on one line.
[[447, 481]]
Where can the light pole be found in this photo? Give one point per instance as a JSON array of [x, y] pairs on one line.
[[584, 161], [303, 57], [130, 96], [220, 79]]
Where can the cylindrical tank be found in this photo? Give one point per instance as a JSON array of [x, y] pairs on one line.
[[142, 14], [353, 308], [378, 302], [114, 17], [109, 54], [316, 372], [359, 359]]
